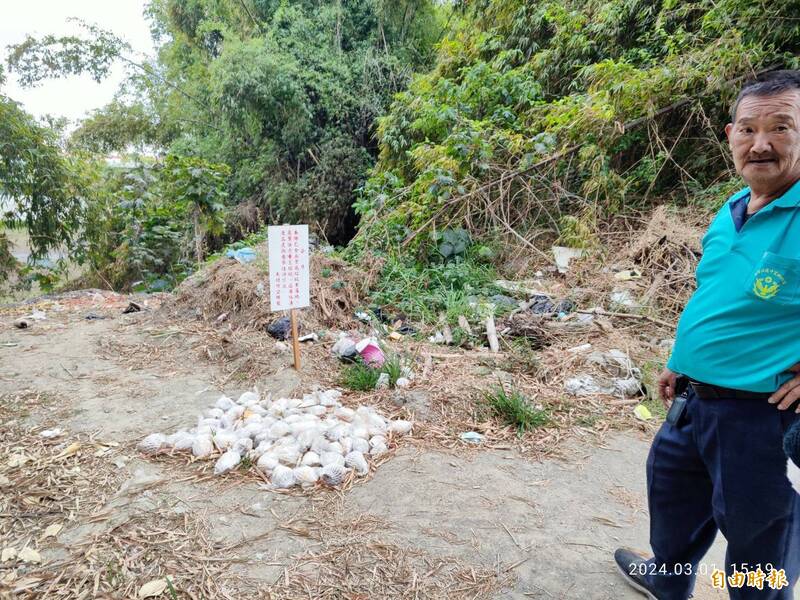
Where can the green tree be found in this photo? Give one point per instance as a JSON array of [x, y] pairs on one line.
[[38, 182], [546, 117], [198, 188], [266, 87]]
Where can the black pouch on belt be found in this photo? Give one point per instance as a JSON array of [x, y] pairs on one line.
[[678, 406]]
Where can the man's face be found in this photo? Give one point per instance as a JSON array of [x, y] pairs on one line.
[[765, 140]]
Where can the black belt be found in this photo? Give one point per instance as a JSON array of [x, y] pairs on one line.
[[706, 391]]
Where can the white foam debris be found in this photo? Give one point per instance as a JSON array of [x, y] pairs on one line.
[[293, 441]]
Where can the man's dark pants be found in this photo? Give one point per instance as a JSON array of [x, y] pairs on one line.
[[722, 467]]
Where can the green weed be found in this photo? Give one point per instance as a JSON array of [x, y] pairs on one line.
[[515, 409], [393, 367], [423, 292], [360, 377], [172, 593]]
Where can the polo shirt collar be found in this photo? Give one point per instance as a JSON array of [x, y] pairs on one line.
[[790, 198]]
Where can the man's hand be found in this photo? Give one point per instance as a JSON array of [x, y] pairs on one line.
[[666, 386], [789, 392]]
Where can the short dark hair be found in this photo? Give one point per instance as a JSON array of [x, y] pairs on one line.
[[768, 84]]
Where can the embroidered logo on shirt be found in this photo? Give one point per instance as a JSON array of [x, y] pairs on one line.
[[768, 283]]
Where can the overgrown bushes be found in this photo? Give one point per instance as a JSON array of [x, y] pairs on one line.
[[147, 225], [551, 116]]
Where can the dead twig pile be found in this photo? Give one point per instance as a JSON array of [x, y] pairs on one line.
[[667, 252], [238, 294]]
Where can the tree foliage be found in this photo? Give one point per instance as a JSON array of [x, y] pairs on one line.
[[148, 221], [275, 100], [38, 183], [540, 113], [292, 89]]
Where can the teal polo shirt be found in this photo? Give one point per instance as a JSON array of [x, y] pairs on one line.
[[741, 327]]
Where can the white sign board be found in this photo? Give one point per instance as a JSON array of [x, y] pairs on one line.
[[289, 278]]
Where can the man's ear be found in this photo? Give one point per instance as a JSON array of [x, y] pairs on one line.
[[728, 129]]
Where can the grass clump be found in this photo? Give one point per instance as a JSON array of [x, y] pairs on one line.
[[393, 367], [360, 377], [425, 291], [514, 409]]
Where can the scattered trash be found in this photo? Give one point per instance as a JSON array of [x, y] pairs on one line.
[[581, 348], [406, 329], [50, 433], [615, 362], [629, 386], [228, 461], [371, 352], [491, 334], [502, 300], [628, 275], [541, 304], [280, 329], [437, 338], [26, 321], [584, 385], [383, 382], [623, 298], [296, 441], [362, 316], [223, 317], [521, 288], [588, 385], [642, 412], [395, 336], [565, 307], [402, 382], [243, 255], [152, 443], [345, 348], [132, 308], [94, 317], [260, 289], [378, 312], [563, 256], [471, 437], [311, 337]]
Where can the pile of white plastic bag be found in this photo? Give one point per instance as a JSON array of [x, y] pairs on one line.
[[291, 441]]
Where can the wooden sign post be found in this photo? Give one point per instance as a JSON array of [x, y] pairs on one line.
[[289, 274], [295, 343]]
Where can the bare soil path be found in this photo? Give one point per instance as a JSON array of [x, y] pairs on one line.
[[430, 524]]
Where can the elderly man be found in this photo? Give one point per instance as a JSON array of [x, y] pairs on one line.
[[717, 461]]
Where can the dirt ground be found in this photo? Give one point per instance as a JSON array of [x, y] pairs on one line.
[[430, 523]]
